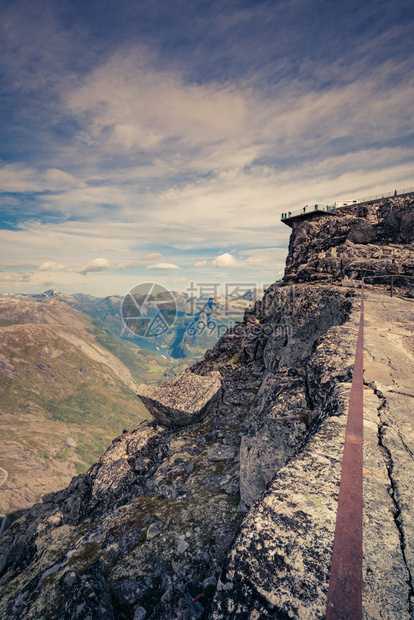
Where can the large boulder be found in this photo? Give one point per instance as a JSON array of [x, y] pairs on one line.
[[182, 400]]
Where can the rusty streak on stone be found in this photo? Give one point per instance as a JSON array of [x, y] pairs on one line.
[[345, 583]]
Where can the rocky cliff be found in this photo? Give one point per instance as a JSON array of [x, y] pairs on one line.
[[360, 240], [233, 514]]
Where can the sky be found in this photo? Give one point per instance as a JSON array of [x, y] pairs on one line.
[[160, 140]]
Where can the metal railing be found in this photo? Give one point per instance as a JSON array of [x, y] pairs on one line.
[[345, 581], [308, 209], [394, 279], [398, 193]]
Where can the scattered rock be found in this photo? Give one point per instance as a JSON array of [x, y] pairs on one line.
[[140, 613], [221, 452], [112, 552], [177, 604], [154, 530], [182, 546], [231, 486], [68, 579], [54, 520], [194, 588], [129, 592], [130, 540], [268, 447], [210, 582]]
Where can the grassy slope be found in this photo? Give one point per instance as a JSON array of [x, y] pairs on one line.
[[145, 366], [59, 407]]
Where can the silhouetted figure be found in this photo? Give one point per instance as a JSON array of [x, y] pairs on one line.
[[395, 193]]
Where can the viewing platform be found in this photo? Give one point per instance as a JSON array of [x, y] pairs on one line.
[[307, 212]]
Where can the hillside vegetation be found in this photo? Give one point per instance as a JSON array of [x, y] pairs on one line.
[[67, 387]]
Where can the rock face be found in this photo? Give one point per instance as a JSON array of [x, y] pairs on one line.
[[375, 238], [182, 400], [158, 529]]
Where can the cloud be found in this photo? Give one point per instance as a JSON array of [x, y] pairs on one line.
[[225, 151], [126, 103], [51, 265], [176, 280], [15, 277], [200, 263], [18, 265], [225, 260], [97, 264], [128, 264], [150, 257], [145, 258], [264, 256], [55, 179], [260, 260], [129, 103], [21, 178], [163, 266]]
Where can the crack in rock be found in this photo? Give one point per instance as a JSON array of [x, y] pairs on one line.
[[389, 466]]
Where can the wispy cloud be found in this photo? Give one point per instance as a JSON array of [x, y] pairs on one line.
[[51, 265], [127, 104], [146, 258], [15, 277], [142, 260], [128, 264], [97, 264], [163, 266], [23, 179]]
